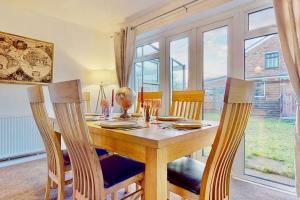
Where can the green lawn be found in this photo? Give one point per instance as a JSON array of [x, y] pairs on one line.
[[271, 139]]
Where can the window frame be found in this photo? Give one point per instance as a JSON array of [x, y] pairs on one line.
[[264, 89], [267, 30], [247, 20], [277, 57], [239, 165]]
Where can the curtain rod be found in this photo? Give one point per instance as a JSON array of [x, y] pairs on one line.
[[163, 14], [166, 13]]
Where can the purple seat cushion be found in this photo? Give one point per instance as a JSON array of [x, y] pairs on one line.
[[116, 168], [99, 151]]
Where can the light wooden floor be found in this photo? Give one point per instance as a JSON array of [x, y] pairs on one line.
[[26, 182]]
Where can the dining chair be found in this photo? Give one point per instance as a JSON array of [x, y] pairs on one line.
[[187, 104], [195, 180], [92, 179], [86, 99], [58, 160], [153, 99]]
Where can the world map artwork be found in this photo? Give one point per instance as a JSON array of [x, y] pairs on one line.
[[24, 60]]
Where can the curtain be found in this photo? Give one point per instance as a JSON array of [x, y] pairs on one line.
[[124, 43], [288, 22]]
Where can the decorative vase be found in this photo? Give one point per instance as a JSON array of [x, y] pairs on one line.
[[125, 97]]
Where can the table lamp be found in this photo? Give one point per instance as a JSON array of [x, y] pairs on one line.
[[101, 78]]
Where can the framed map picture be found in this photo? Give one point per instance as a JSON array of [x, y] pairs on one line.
[[24, 60]]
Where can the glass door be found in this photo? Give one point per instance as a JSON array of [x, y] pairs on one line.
[[215, 64], [213, 59], [178, 62], [269, 137], [268, 153]]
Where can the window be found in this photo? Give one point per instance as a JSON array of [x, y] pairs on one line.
[[269, 138], [179, 53], [147, 49], [202, 54], [261, 18], [260, 89], [147, 74], [271, 60], [146, 67], [215, 58]]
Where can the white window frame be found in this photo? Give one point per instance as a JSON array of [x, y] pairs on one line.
[[239, 165]]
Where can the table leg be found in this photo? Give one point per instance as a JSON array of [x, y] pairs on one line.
[[156, 187]]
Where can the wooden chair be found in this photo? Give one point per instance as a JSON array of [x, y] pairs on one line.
[[86, 99], [92, 179], [150, 98], [58, 163], [187, 104], [192, 179]]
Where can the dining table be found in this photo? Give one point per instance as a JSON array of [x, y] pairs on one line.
[[153, 144]]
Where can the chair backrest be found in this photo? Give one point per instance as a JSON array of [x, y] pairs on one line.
[[236, 111], [86, 99], [52, 146], [150, 98], [66, 98], [187, 104]]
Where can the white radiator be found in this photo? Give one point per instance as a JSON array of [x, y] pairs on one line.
[[19, 136]]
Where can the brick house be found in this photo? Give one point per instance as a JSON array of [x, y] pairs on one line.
[[264, 65]]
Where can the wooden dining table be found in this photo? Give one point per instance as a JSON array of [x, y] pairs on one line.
[[153, 145]]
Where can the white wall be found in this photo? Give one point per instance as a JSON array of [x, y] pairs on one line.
[[75, 49]]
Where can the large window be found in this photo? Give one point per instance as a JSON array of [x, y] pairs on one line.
[[147, 67], [269, 137], [243, 45]]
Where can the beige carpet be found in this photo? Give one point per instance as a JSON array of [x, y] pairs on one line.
[[27, 181]]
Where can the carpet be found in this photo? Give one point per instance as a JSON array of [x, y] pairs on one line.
[[27, 182]]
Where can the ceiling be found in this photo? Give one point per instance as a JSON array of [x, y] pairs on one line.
[[102, 15]]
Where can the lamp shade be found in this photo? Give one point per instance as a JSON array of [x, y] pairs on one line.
[[104, 77]]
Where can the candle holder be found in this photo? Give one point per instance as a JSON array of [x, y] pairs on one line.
[[107, 111]]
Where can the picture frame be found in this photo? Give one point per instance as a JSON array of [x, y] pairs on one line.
[[24, 60]]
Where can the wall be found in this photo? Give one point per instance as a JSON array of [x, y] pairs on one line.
[[76, 49]]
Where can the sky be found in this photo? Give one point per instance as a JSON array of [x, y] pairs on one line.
[[215, 53]]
